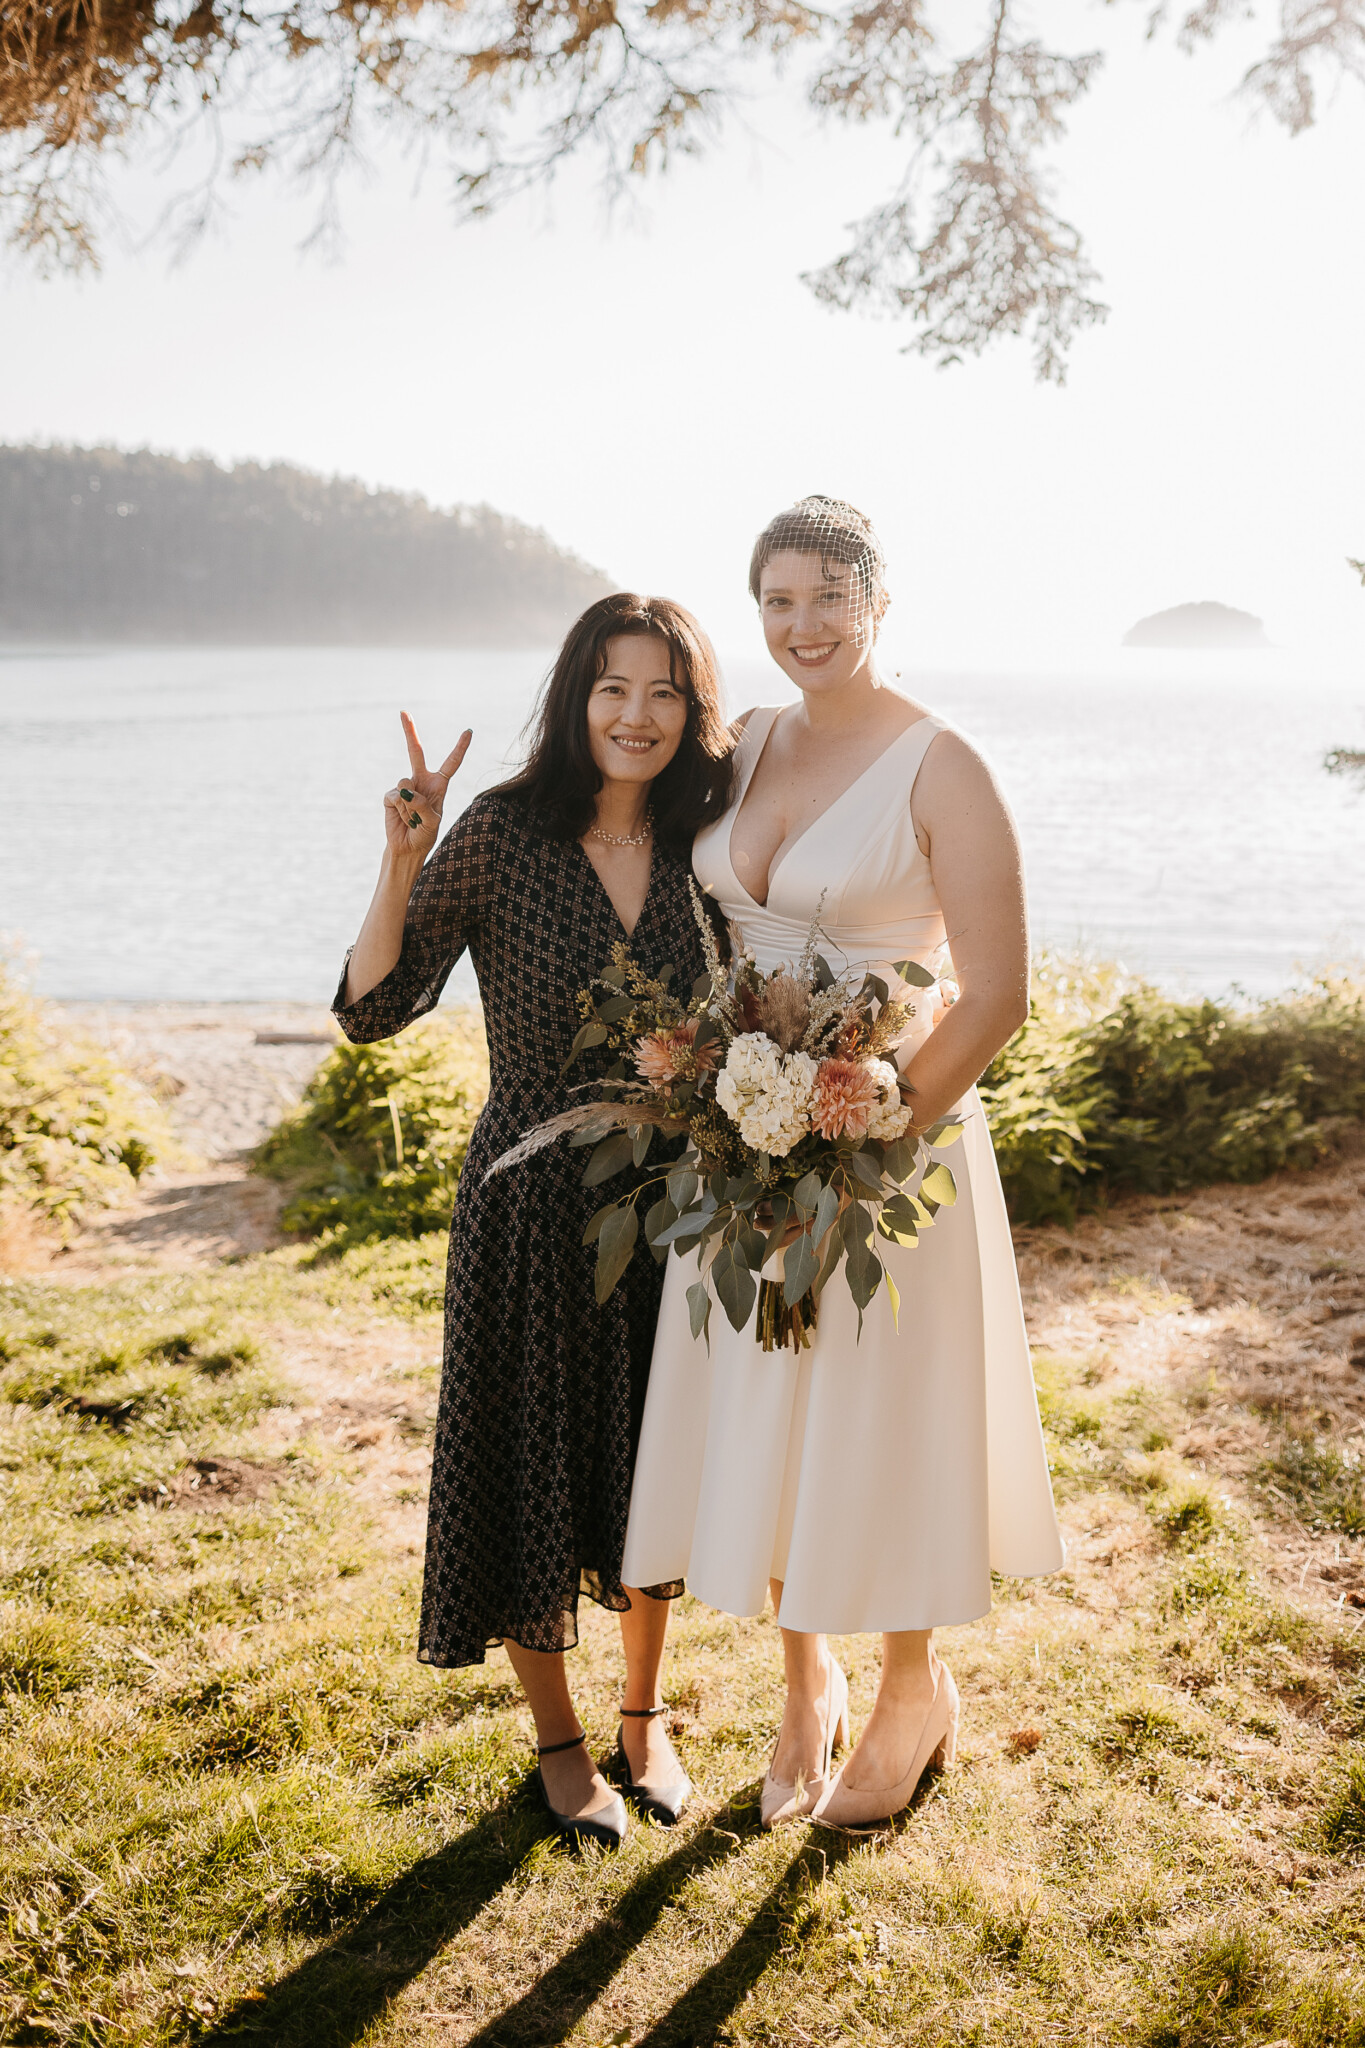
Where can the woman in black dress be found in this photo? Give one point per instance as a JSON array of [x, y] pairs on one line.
[[542, 1390]]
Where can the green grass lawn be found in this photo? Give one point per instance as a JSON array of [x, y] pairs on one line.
[[235, 1807]]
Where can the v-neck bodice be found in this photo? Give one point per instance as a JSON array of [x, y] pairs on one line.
[[861, 855]]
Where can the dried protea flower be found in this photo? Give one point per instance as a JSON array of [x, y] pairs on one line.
[[784, 1010], [854, 1033]]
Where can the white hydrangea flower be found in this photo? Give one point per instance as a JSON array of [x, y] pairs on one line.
[[767, 1093], [892, 1120]]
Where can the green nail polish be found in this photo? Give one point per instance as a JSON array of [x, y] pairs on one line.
[[406, 795]]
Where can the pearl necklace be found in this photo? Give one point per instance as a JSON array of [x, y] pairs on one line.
[[624, 838]]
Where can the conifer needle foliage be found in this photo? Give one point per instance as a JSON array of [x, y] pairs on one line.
[[969, 246]]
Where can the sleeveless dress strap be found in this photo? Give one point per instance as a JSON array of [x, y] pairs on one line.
[[752, 741], [918, 739]]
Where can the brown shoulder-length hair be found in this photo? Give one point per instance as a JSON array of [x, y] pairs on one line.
[[559, 783]]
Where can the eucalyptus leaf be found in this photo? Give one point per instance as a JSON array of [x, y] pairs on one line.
[[825, 976], [944, 1132], [699, 1311], [642, 1137], [899, 1158], [877, 987], [611, 1156], [612, 975], [591, 1134], [911, 971], [864, 1278], [665, 975], [691, 1224], [939, 1186], [701, 988], [659, 1217], [595, 1225], [867, 1169], [799, 1269], [682, 1187], [857, 1231], [735, 1286], [591, 1033], [893, 1295], [898, 1230], [826, 1209], [806, 1193], [615, 1243], [750, 1246], [829, 1260], [615, 1007]]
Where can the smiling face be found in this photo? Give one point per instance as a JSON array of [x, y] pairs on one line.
[[818, 620], [637, 714]]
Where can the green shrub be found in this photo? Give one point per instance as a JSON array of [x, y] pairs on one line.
[[1113, 1085], [375, 1147], [76, 1132]]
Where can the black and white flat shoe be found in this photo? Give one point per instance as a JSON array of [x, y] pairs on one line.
[[662, 1800], [607, 1825]]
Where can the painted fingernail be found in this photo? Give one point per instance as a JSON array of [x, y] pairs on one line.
[[416, 818], [406, 795]]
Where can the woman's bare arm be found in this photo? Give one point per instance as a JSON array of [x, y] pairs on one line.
[[979, 878]]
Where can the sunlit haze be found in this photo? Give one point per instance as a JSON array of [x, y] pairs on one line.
[[650, 387]]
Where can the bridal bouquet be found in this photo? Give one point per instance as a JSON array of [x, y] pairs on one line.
[[786, 1087]]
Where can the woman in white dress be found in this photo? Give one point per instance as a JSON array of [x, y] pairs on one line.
[[873, 1483]]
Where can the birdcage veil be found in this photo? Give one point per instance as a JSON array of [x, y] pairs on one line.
[[846, 544]]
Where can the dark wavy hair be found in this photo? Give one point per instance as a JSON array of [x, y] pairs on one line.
[[559, 783], [835, 531]]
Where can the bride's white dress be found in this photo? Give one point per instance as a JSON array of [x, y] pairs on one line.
[[882, 1479]]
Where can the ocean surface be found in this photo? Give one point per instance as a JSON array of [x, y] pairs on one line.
[[204, 825]]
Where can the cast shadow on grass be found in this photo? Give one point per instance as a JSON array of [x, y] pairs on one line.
[[553, 2007], [338, 1992], [330, 2000]]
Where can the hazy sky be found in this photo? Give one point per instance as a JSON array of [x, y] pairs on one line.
[[652, 387]]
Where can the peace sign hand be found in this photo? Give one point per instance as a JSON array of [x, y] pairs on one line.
[[412, 810]]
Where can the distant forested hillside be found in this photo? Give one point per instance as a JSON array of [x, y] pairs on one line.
[[99, 545]]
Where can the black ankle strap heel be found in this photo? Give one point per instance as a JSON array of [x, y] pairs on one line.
[[663, 1802], [607, 1826], [553, 1748]]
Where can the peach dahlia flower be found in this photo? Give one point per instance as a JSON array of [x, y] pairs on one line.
[[845, 1099], [670, 1055]]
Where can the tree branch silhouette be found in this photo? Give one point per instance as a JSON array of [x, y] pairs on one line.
[[967, 249]]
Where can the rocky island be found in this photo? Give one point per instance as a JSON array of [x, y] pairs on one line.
[[1198, 625]]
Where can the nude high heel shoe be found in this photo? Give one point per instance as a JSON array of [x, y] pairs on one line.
[[869, 1808], [789, 1802]]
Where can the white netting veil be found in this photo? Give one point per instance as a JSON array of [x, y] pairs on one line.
[[830, 550]]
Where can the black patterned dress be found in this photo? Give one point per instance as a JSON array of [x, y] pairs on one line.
[[542, 1391]]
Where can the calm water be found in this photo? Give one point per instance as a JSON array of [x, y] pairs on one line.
[[204, 825]]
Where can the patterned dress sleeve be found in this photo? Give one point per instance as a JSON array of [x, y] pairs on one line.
[[451, 902]]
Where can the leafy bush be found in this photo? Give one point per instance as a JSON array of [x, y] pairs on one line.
[[375, 1147], [76, 1132], [1111, 1085], [1114, 1085]]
